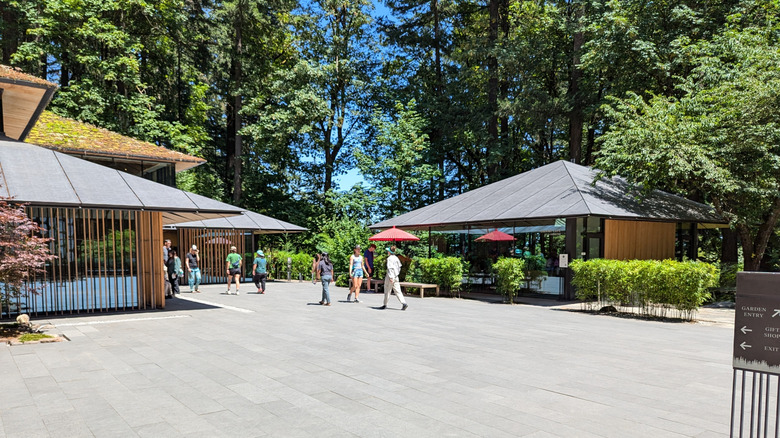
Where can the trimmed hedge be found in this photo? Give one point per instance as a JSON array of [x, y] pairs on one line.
[[653, 287], [510, 273], [447, 272]]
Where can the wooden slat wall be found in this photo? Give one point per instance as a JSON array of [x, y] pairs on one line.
[[638, 240], [106, 260], [150, 260], [214, 246]]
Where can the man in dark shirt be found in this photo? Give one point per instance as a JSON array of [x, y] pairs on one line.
[[368, 262]]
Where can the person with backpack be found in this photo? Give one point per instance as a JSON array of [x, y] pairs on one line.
[[325, 273], [173, 266], [259, 273], [233, 268]]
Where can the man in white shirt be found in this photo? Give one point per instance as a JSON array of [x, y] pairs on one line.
[[391, 278]]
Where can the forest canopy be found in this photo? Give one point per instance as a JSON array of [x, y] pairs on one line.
[[424, 99]]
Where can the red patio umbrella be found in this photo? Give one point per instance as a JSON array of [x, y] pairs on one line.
[[392, 235], [495, 236]]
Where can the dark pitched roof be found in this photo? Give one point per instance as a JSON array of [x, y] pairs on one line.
[[248, 220], [78, 138], [24, 98], [558, 190], [43, 177]]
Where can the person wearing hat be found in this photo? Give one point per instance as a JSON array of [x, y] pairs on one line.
[[191, 262], [233, 268], [258, 271], [355, 273], [391, 278]]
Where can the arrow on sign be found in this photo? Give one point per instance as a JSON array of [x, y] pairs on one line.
[[777, 313], [745, 346], [744, 330]]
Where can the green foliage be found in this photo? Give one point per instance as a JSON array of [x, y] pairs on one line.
[[394, 162], [277, 264], [510, 273], [652, 287], [31, 337], [343, 280], [380, 263], [112, 246], [338, 238], [447, 272], [720, 137]]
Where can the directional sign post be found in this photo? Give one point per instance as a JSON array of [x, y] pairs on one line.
[[757, 322]]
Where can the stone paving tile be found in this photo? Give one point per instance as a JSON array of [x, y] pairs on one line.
[[445, 367]]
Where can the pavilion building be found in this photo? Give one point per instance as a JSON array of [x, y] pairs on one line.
[[214, 237], [601, 217], [105, 224]]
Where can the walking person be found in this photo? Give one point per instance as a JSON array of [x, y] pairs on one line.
[[166, 273], [174, 271], [259, 273], [191, 261], [325, 274], [391, 279], [314, 265], [355, 273], [368, 263], [233, 268]]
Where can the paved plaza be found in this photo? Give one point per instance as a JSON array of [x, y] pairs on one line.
[[280, 365]]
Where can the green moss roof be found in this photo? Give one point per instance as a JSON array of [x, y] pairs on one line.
[[17, 75], [69, 136]]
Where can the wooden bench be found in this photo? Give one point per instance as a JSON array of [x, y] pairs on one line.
[[421, 286], [374, 284], [403, 284]]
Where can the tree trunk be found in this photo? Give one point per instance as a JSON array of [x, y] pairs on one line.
[[753, 249], [576, 116], [492, 62], [436, 138], [9, 32], [728, 247], [236, 161]]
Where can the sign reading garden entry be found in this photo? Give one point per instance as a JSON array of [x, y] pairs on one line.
[[757, 322]]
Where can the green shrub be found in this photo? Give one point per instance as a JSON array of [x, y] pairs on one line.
[[301, 264], [342, 280], [652, 287], [447, 272], [30, 337], [510, 273], [380, 264]]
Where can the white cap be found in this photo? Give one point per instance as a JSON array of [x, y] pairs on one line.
[[194, 247]]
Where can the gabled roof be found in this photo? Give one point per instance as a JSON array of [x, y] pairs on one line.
[[24, 98], [248, 220], [78, 138], [558, 190], [42, 177]]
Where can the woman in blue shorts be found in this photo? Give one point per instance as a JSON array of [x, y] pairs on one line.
[[355, 273]]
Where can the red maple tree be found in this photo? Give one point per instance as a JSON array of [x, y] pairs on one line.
[[23, 254]]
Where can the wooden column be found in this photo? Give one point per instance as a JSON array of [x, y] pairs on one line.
[[571, 250], [150, 260]]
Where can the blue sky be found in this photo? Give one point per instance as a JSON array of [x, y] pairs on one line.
[[349, 179]]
